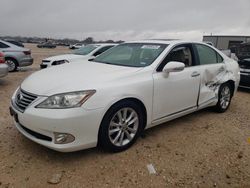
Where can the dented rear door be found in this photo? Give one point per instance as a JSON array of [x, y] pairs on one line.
[[212, 70]]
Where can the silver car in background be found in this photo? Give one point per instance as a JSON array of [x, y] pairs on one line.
[[3, 66], [15, 56]]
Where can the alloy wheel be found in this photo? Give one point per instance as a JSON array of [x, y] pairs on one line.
[[11, 64], [123, 127], [225, 97]]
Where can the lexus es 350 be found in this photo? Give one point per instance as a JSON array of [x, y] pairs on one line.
[[134, 86]]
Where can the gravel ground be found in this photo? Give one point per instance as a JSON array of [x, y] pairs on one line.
[[204, 149]]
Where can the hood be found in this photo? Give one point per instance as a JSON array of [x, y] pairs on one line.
[[68, 57], [74, 77]]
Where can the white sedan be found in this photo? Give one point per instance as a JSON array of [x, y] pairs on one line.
[[84, 53], [132, 87]]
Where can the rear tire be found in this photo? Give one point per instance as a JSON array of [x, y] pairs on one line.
[[12, 64], [121, 126], [224, 98]]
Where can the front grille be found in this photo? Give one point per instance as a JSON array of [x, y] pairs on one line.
[[23, 99], [37, 135]]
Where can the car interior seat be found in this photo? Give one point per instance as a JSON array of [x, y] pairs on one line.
[[178, 56]]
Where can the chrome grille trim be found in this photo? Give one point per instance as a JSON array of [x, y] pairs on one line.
[[23, 99]]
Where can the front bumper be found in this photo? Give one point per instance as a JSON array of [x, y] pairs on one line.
[[3, 70], [39, 125]]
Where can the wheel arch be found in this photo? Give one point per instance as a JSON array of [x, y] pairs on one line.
[[133, 99], [232, 85], [12, 58]]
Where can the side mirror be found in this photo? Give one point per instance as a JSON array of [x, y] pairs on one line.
[[173, 66]]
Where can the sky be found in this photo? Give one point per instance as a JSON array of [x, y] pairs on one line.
[[124, 19]]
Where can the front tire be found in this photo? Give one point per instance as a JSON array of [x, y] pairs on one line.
[[121, 126], [224, 98]]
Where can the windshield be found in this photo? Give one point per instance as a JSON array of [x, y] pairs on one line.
[[132, 54], [85, 49]]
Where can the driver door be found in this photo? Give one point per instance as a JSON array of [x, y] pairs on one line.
[[176, 92]]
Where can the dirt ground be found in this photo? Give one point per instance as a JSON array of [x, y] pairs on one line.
[[204, 149]]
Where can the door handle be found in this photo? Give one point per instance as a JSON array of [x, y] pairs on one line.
[[195, 74]]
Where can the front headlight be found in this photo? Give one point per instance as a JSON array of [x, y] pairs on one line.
[[66, 100]]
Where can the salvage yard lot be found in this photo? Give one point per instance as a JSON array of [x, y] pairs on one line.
[[204, 149]]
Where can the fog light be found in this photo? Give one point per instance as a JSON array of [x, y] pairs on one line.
[[63, 138]]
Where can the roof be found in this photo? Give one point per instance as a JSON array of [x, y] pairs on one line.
[[160, 41], [104, 44], [164, 39], [226, 36]]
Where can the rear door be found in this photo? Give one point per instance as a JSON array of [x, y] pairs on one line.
[[212, 70]]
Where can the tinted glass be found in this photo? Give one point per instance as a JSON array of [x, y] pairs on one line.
[[132, 54], [219, 58], [207, 55], [2, 45]]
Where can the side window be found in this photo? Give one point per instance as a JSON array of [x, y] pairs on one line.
[[219, 58], [207, 55], [182, 53], [98, 52], [2, 45]]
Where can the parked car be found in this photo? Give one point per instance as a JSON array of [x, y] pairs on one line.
[[46, 45], [131, 87], [245, 73], [3, 66], [15, 56], [15, 43], [86, 52], [76, 46]]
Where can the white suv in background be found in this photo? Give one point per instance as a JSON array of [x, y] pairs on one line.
[[84, 53]]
